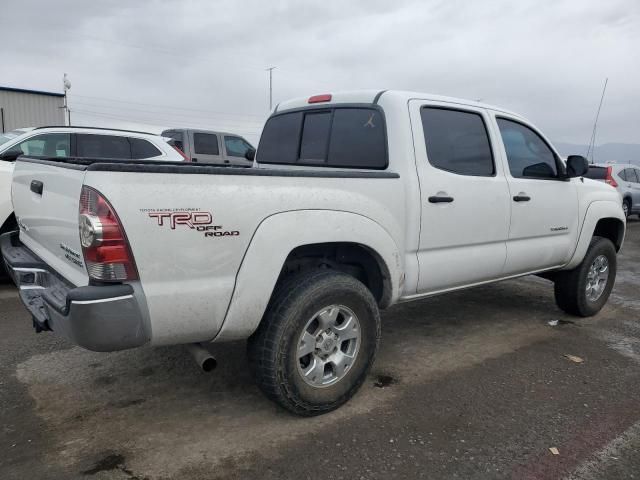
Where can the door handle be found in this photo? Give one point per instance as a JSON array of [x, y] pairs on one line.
[[194, 159], [521, 198], [37, 186], [440, 199]]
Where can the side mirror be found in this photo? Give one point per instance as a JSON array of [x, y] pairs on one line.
[[250, 154], [577, 166], [11, 155]]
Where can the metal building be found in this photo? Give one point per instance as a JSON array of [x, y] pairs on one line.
[[30, 108]]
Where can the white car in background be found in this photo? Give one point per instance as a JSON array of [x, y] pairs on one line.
[[8, 136], [52, 142]]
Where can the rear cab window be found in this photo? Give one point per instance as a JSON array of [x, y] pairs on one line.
[[341, 136]]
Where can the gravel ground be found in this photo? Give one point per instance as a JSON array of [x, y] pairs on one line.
[[468, 385]]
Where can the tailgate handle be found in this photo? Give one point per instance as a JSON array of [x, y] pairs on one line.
[[36, 186], [440, 199]]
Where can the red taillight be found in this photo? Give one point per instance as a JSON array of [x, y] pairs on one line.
[[320, 98], [609, 178], [185, 158], [104, 245]]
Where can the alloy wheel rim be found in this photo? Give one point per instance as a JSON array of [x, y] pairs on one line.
[[328, 346], [597, 277]]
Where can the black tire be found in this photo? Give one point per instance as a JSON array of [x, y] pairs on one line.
[[272, 348], [570, 286], [627, 203]]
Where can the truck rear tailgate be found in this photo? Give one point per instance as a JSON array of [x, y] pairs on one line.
[[46, 197]]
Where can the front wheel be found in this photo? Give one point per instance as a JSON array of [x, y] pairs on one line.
[[316, 342], [584, 290]]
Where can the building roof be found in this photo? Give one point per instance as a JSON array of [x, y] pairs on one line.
[[35, 92]]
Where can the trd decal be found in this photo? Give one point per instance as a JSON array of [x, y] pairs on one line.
[[193, 219], [216, 231], [190, 219]]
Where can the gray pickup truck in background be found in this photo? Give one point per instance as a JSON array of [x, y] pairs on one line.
[[205, 146]]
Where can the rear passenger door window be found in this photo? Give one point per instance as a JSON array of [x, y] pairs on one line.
[[528, 154], [457, 141], [102, 146], [632, 175]]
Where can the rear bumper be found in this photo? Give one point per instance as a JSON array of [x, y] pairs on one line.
[[102, 318]]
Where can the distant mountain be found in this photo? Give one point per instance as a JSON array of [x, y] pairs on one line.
[[608, 152]]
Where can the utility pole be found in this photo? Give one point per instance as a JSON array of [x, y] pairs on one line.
[[270, 70]]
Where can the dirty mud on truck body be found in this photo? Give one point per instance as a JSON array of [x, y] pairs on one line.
[[474, 384]]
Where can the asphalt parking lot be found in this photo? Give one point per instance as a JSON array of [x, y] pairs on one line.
[[468, 385]]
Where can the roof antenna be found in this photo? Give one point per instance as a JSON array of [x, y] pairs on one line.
[[592, 141]]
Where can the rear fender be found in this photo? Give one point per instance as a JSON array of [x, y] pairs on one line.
[[270, 246]]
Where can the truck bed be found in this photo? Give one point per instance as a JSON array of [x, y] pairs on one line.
[[191, 226]]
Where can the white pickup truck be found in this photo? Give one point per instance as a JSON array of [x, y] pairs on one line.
[[357, 201]]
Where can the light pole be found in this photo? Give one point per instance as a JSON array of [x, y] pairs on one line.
[[270, 70], [66, 84]]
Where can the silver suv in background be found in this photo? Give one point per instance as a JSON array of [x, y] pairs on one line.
[[205, 146], [624, 177]]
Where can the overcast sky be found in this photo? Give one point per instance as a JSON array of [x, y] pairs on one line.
[[201, 63]]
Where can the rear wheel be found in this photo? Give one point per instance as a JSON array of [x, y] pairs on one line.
[[316, 343], [584, 290]]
